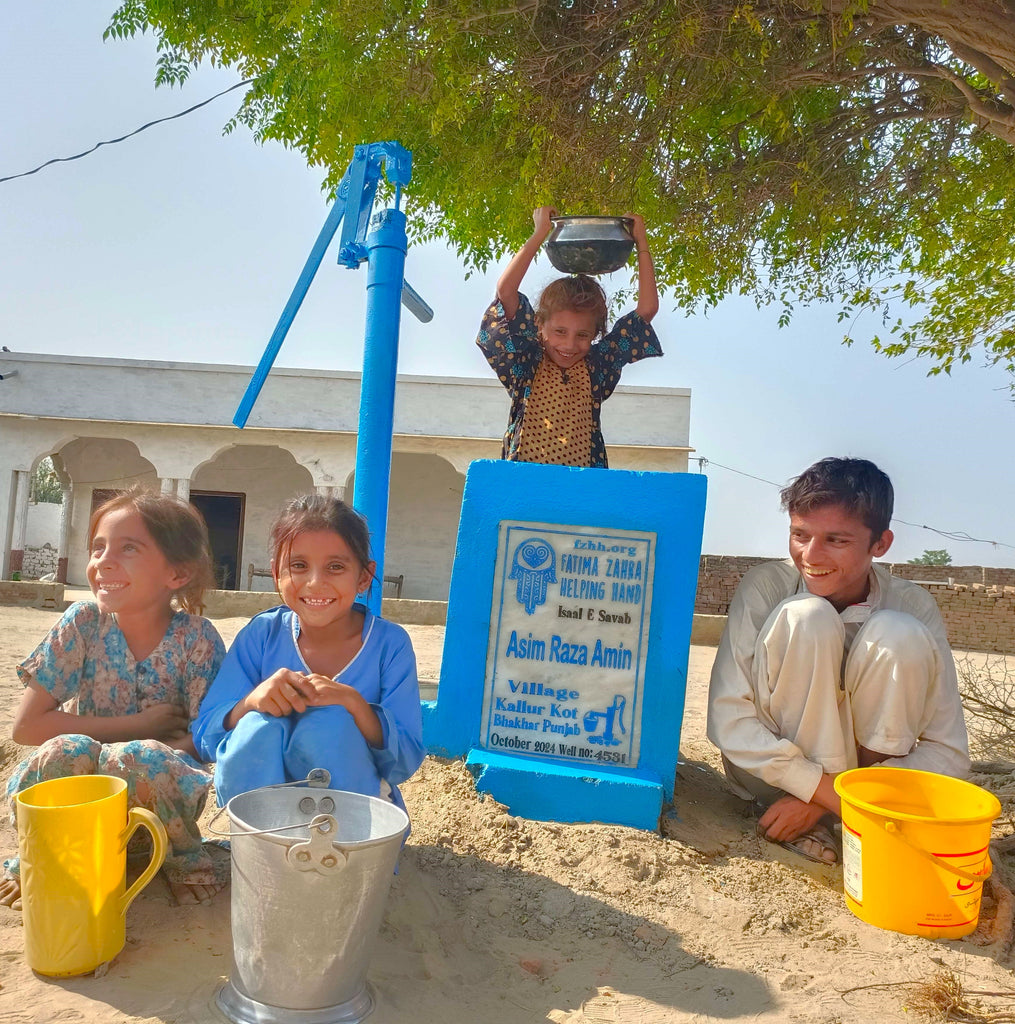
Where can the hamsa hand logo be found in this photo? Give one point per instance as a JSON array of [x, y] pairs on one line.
[[534, 568]]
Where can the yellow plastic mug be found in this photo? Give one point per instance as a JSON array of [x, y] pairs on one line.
[[72, 840]]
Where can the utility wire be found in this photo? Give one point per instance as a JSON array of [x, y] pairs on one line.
[[956, 535], [959, 535], [110, 142]]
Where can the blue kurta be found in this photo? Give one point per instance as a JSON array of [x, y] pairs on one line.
[[264, 750]]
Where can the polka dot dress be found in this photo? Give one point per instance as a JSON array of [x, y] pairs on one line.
[[550, 416], [557, 426]]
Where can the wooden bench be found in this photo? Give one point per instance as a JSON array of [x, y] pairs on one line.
[[252, 572], [391, 583]]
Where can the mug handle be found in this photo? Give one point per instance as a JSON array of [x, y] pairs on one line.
[[139, 817]]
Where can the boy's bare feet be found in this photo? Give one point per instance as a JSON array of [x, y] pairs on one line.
[[188, 894], [10, 892]]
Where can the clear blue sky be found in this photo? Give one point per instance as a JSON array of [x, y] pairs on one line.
[[182, 243]]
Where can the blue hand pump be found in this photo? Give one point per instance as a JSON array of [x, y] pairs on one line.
[[383, 248]]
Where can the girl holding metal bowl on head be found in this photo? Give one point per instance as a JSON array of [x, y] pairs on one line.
[[558, 361]]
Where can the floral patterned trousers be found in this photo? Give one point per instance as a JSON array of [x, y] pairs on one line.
[[169, 783]]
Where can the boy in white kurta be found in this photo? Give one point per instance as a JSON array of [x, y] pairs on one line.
[[828, 663]]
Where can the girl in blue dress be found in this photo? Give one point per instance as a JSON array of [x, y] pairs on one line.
[[319, 682]]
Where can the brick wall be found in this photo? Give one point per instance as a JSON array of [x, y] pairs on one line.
[[718, 578], [977, 602], [38, 562], [968, 574], [977, 617]]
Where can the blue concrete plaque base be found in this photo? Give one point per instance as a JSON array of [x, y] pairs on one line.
[[631, 796], [569, 625]]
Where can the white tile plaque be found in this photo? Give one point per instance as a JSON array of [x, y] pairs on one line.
[[568, 641]]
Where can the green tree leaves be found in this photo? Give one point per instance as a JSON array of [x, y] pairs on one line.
[[799, 152], [932, 557]]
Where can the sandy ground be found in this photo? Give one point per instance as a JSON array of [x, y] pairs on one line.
[[499, 919]]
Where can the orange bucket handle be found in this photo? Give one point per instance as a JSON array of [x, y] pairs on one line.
[[893, 829]]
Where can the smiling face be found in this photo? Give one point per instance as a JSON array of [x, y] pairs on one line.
[[127, 572], [833, 552], [567, 336], [319, 578]]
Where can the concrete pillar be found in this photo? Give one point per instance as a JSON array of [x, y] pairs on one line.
[[183, 488], [7, 482], [331, 491], [168, 484], [22, 489], [63, 548]]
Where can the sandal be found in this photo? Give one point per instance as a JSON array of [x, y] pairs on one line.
[[820, 834]]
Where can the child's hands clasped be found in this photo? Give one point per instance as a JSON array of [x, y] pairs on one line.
[[163, 722], [282, 693], [331, 691], [286, 691]]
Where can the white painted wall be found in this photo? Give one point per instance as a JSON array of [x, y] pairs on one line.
[[424, 504], [268, 476], [199, 394], [174, 421], [43, 525]]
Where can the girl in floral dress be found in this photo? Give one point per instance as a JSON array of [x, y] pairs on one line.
[[113, 688]]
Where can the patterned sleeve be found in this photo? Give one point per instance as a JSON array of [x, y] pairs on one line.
[[205, 659], [630, 340], [511, 346], [57, 663]]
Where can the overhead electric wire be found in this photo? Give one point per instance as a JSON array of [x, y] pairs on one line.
[[956, 535], [110, 142]]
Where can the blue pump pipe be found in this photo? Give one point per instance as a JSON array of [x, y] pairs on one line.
[[384, 250]]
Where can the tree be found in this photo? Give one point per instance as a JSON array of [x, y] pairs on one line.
[[46, 486], [858, 152], [932, 557]]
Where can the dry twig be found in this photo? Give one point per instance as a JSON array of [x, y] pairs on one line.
[[944, 998]]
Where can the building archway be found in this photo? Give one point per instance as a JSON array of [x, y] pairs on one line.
[[424, 506], [240, 491], [98, 467]]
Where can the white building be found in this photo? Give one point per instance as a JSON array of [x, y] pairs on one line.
[[108, 423]]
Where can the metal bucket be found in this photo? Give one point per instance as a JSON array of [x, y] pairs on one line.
[[589, 245], [311, 870]]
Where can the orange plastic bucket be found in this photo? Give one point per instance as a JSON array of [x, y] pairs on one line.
[[72, 839], [914, 849]]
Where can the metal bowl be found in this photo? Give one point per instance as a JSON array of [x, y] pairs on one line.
[[590, 245]]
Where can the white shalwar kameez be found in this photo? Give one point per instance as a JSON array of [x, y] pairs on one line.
[[797, 686]]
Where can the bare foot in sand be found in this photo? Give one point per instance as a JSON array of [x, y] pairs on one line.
[[10, 892], [187, 894]]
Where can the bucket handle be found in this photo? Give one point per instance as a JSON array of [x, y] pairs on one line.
[[317, 778], [892, 828], [318, 853], [141, 817]]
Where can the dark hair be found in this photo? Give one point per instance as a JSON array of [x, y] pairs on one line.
[[579, 294], [309, 512], [179, 532], [857, 485]]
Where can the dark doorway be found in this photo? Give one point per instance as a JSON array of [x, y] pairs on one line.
[[223, 512]]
